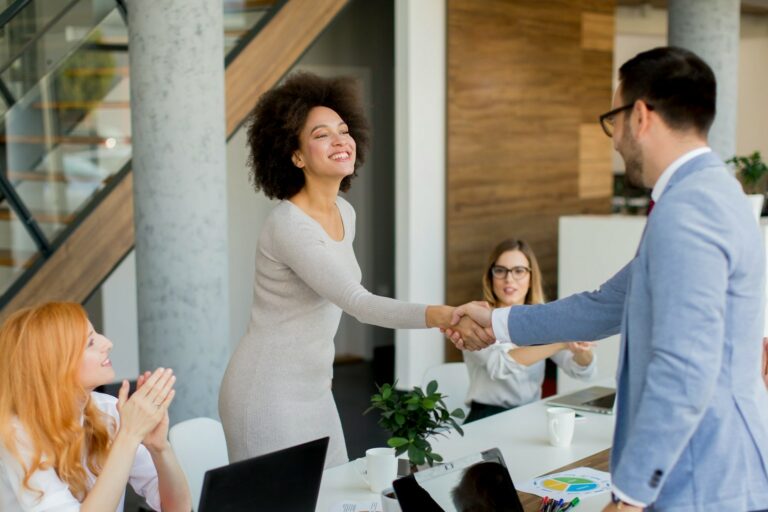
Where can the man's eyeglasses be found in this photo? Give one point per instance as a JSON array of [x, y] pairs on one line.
[[518, 273], [608, 120]]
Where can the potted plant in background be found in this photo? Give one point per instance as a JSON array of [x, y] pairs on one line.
[[752, 172], [412, 417]]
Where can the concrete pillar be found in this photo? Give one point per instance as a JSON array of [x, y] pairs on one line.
[[710, 28], [179, 166]]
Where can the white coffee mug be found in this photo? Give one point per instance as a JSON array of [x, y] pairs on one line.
[[381, 468], [389, 502], [560, 425]]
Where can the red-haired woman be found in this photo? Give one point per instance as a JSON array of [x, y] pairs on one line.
[[64, 447]]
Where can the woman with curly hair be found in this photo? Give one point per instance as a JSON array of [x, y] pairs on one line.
[[504, 376], [64, 446], [307, 139]]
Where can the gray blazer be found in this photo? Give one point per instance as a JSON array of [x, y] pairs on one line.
[[692, 411]]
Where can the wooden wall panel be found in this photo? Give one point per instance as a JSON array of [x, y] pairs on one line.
[[526, 83]]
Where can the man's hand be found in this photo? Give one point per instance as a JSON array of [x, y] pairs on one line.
[[468, 335], [471, 326], [611, 507], [765, 361]]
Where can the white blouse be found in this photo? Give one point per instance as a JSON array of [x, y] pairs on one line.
[[497, 379], [56, 494]]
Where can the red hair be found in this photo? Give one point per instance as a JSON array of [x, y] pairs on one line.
[[42, 349]]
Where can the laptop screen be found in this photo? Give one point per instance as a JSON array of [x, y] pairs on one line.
[[479, 482], [287, 480]]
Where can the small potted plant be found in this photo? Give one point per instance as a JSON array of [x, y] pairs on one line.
[[412, 417], [752, 172]]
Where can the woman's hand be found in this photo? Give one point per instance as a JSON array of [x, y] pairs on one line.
[[144, 412], [157, 439], [582, 352]]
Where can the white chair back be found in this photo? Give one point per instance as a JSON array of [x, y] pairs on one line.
[[452, 381], [199, 445]]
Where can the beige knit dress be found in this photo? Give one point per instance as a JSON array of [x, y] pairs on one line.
[[276, 392]]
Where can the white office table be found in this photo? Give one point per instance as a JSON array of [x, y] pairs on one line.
[[521, 434]]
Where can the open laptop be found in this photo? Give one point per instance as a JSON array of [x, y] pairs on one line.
[[478, 482], [592, 399], [286, 480]]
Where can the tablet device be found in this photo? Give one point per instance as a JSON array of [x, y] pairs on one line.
[[479, 482]]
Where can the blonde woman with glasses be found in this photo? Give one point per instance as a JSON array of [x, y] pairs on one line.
[[504, 376]]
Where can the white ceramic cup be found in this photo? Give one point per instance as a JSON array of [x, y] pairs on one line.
[[381, 468], [389, 502], [560, 425]]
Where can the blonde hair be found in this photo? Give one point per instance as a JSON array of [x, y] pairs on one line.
[[535, 293], [42, 349]]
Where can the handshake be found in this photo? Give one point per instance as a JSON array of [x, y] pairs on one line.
[[467, 326]]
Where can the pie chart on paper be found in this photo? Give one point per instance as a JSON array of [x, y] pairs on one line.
[[581, 482], [570, 484]]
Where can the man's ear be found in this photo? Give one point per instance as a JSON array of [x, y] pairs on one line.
[[297, 160], [642, 117]]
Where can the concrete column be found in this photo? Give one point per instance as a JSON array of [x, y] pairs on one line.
[[710, 28], [179, 166]]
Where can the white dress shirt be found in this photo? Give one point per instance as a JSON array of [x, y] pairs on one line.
[[14, 497], [495, 378]]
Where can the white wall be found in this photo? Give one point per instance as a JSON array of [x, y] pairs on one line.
[[420, 95], [119, 318], [642, 28], [591, 249]]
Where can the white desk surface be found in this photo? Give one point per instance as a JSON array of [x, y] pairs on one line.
[[521, 434]]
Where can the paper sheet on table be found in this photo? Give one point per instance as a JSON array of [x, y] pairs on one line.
[[363, 506], [577, 482]]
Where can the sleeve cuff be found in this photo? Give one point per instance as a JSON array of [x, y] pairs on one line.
[[626, 499], [499, 319]]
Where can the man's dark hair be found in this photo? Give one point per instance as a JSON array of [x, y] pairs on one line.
[[277, 120], [678, 84], [486, 487]]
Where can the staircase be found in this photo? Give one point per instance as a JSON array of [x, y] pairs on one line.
[[66, 190]]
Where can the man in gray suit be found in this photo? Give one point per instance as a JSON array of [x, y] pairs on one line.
[[692, 409]]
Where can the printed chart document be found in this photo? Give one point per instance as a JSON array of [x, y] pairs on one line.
[[574, 483]]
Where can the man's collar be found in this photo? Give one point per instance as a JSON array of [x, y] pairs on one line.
[[661, 183]]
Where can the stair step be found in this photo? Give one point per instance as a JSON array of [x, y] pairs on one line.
[[88, 140], [58, 176], [51, 217], [121, 70], [81, 105], [17, 259]]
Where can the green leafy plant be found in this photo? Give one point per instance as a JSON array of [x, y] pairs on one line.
[[751, 172], [412, 417]]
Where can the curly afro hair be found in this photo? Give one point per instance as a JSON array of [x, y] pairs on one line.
[[280, 115]]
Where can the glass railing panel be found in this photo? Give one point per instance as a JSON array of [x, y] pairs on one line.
[[17, 249], [240, 16], [68, 135], [35, 41]]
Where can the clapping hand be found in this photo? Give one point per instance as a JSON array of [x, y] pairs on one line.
[[471, 326], [145, 414], [582, 351]]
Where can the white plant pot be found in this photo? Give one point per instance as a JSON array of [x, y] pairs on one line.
[[757, 204]]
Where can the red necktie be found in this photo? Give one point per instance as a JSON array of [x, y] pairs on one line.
[[651, 204]]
